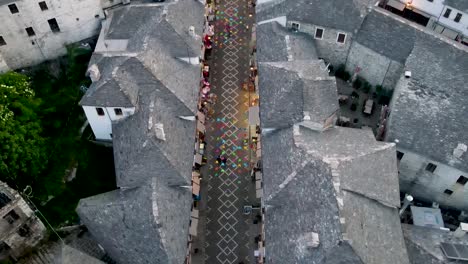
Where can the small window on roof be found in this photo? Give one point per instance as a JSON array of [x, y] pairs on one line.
[[447, 12], [399, 155], [431, 167], [319, 33], [341, 38], [53, 25], [43, 6], [295, 26], [30, 31], [462, 180], [13, 8], [447, 191], [2, 41]]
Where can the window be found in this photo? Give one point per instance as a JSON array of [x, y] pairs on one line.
[[13, 8], [399, 155], [295, 26], [30, 31], [447, 191], [447, 12], [11, 217], [341, 38], [458, 17], [2, 41], [118, 111], [100, 111], [430, 0], [431, 167], [24, 231], [319, 33], [53, 25], [43, 6], [462, 180]]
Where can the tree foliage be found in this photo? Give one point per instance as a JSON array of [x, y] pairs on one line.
[[23, 148]]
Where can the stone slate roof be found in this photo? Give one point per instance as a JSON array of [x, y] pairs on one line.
[[273, 46], [461, 5], [147, 219], [146, 224], [435, 97], [158, 35], [379, 32], [314, 92], [70, 255], [5, 2], [136, 147], [338, 14], [423, 244], [320, 183]]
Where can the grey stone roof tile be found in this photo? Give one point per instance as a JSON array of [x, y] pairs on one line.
[[378, 33], [147, 224], [338, 14], [461, 5], [272, 44], [435, 98]]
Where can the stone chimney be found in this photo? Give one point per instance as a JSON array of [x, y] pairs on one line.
[[93, 73], [461, 230]]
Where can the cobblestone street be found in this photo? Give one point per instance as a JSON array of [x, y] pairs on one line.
[[228, 237]]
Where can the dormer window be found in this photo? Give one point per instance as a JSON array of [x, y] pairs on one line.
[[118, 111]]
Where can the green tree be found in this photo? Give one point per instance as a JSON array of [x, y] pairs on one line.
[[23, 152]]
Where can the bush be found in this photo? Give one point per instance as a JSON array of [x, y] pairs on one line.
[[346, 76], [340, 71], [357, 83], [378, 89], [366, 87]]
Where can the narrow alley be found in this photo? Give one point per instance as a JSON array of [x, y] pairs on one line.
[[229, 233]]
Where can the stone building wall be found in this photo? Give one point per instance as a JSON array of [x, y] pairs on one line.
[[328, 48]]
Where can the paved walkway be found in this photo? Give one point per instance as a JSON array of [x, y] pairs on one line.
[[228, 239]]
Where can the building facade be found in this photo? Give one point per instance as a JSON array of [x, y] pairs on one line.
[[35, 31], [20, 229], [447, 17]]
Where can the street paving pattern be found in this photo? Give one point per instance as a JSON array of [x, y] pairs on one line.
[[227, 230]]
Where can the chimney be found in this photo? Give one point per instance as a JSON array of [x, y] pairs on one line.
[[407, 74], [461, 230], [159, 130], [407, 201], [93, 73], [312, 240]]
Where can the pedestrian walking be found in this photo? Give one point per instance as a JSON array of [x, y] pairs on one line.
[[223, 161]]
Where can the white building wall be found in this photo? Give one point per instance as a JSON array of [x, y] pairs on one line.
[[433, 8], [102, 125], [430, 186], [77, 19], [461, 26]]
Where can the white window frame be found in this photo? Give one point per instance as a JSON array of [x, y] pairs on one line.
[[338, 34], [298, 25], [315, 33]]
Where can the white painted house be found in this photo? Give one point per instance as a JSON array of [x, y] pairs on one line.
[[447, 17], [37, 30]]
